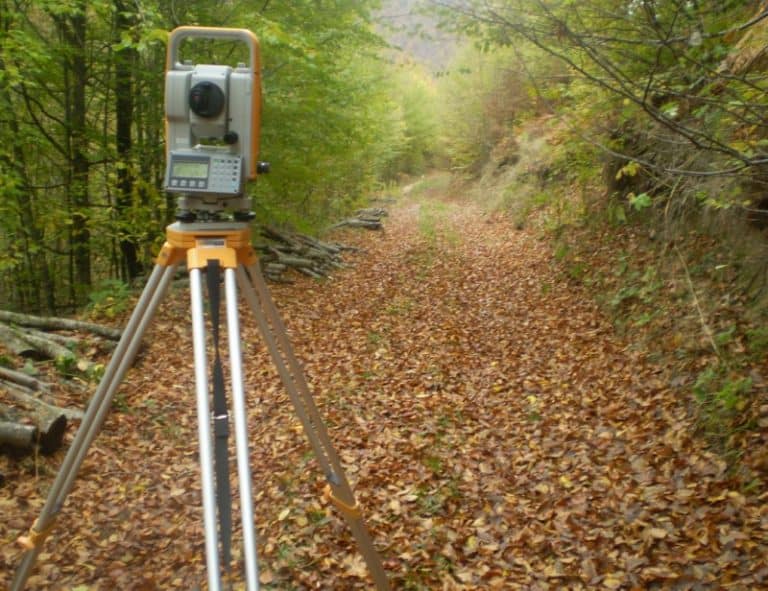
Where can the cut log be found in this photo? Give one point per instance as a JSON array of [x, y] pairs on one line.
[[52, 323], [22, 379], [368, 224], [369, 218], [372, 212], [15, 344], [46, 347], [50, 434], [309, 272], [18, 435], [47, 431], [295, 262], [40, 346], [38, 406], [65, 341]]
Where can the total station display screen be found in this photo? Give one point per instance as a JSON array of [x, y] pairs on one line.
[[189, 170]]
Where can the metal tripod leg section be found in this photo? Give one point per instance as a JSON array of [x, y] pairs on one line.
[[241, 432], [98, 407], [276, 339], [204, 431]]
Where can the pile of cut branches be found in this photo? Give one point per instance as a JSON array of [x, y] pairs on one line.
[[304, 254], [369, 218], [307, 255], [28, 416]]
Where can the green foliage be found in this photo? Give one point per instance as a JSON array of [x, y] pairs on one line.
[[78, 192], [640, 202], [328, 138], [110, 299], [66, 365], [416, 96], [722, 396], [757, 341], [95, 372], [476, 106], [670, 87]]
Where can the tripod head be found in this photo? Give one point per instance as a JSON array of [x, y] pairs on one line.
[[212, 115]]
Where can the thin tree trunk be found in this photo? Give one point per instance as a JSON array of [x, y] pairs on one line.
[[73, 31], [125, 60]]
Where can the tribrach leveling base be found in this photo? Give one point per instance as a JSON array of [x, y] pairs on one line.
[[206, 247], [212, 133]]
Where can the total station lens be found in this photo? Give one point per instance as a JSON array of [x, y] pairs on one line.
[[206, 99]]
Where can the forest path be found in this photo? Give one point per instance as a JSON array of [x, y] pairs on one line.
[[497, 434]]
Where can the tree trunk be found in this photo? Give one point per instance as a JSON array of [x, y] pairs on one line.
[[15, 343], [73, 31], [125, 60]]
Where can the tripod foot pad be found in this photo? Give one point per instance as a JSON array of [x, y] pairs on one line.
[[35, 537], [351, 511]]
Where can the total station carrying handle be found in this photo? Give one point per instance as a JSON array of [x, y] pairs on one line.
[[179, 34]]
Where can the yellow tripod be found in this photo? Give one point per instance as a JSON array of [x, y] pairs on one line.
[[210, 246]]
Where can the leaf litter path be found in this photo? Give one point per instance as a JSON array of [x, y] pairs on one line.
[[497, 434]]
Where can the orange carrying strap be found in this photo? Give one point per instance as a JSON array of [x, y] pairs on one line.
[[35, 537], [351, 511]]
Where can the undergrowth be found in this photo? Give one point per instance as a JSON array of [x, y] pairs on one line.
[[681, 291]]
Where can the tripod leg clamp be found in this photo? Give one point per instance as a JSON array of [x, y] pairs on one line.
[[351, 511], [35, 537]]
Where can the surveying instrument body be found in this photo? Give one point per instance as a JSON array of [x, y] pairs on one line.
[[212, 135]]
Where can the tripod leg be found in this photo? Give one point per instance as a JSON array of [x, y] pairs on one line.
[[241, 432], [97, 410], [339, 491], [204, 431]]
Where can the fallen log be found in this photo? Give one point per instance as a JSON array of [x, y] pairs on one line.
[[369, 218], [295, 262], [47, 347], [52, 323], [41, 346], [21, 378], [372, 212], [368, 224], [65, 341], [310, 273], [15, 344], [39, 406], [47, 431], [18, 435]]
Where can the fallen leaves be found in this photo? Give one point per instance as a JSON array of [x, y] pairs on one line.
[[497, 434]]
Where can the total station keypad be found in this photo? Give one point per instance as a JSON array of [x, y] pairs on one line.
[[225, 175]]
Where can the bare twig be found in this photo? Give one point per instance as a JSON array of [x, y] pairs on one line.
[[702, 318]]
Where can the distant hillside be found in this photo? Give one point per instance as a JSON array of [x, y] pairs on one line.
[[406, 27]]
